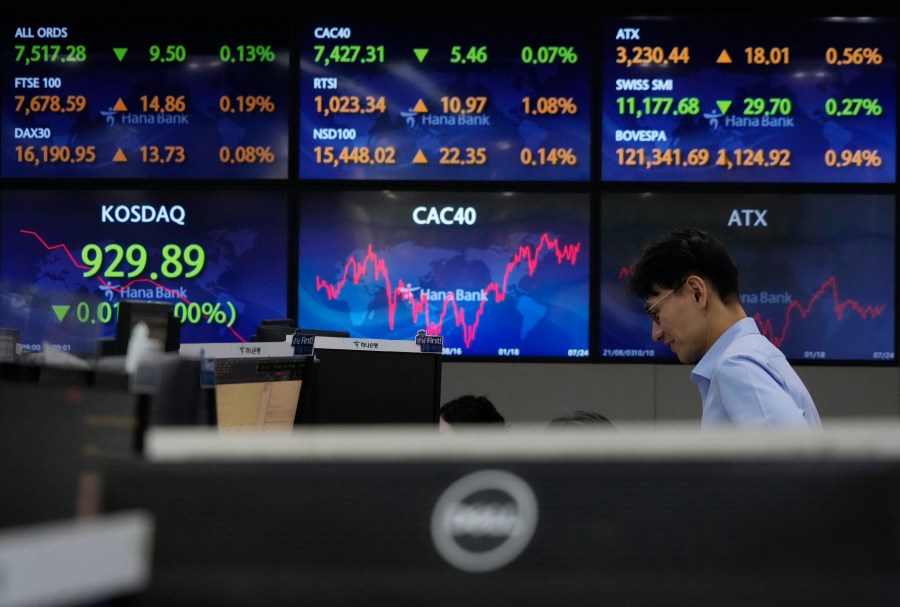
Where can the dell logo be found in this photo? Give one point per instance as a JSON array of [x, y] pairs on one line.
[[484, 520]]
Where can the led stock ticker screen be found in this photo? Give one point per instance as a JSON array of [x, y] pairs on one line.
[[68, 258], [749, 99], [97, 97], [817, 271], [462, 101], [502, 275]]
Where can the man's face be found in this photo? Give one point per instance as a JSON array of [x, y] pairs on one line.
[[677, 322]]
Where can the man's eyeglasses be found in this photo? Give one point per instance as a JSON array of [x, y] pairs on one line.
[[653, 311]]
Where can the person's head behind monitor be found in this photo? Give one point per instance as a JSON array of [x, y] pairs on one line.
[[581, 419], [470, 409]]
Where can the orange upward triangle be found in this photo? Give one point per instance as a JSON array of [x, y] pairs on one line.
[[724, 57]]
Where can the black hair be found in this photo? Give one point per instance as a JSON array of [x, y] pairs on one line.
[[666, 261], [471, 409], [580, 418]]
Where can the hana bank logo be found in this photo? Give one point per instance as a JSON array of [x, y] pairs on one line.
[[484, 520]]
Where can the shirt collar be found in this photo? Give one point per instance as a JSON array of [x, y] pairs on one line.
[[745, 326]]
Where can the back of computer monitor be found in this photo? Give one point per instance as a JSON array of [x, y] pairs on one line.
[[180, 398], [325, 332], [160, 320], [55, 431], [370, 387], [274, 329], [575, 531]]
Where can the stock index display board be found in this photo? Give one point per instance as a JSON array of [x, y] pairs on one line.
[[700, 98], [158, 97], [468, 100], [325, 133], [749, 99], [67, 259], [817, 270], [500, 274]]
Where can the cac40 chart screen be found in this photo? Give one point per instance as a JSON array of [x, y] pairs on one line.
[[501, 274]]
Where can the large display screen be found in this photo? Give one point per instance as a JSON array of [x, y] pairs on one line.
[[818, 271], [502, 274], [68, 258], [458, 98], [749, 99], [154, 96]]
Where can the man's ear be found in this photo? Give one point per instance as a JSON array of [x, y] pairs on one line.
[[697, 287]]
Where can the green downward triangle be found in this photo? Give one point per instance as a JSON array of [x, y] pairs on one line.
[[61, 311], [724, 106], [120, 52], [421, 53]]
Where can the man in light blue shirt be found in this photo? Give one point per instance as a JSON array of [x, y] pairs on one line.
[[689, 284]]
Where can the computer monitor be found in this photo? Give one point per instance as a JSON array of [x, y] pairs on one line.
[[10, 344], [258, 393], [371, 387], [661, 516], [157, 315], [179, 396], [55, 430], [326, 332], [275, 329]]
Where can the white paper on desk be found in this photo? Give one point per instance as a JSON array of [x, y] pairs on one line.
[[278, 404], [257, 405]]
